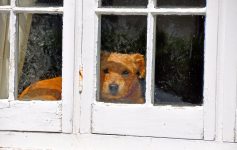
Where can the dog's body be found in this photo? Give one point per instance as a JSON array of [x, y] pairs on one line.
[[119, 81], [49, 89], [120, 76]]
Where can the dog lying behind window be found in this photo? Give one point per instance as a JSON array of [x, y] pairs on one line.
[[49, 89], [120, 76], [119, 81]]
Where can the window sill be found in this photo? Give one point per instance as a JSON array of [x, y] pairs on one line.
[[56, 141]]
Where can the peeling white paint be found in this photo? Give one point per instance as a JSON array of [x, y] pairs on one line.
[[31, 116]]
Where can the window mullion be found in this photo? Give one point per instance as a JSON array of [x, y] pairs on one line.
[[39, 10], [97, 48], [150, 65], [68, 65], [98, 3], [13, 53], [121, 11], [210, 69], [152, 4], [179, 11], [5, 9]]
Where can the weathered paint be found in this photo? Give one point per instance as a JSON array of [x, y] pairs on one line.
[[68, 65], [206, 120], [40, 115], [30, 116], [140, 120]]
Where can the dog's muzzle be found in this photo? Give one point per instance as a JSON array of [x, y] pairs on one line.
[[113, 88]]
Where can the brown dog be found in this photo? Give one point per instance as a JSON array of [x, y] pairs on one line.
[[49, 89], [119, 81], [120, 76]]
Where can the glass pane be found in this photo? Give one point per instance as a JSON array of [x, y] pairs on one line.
[[179, 59], [40, 57], [181, 3], [4, 55], [124, 3], [4, 2], [46, 3], [122, 66]]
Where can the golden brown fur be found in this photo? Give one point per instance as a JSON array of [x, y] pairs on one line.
[[49, 89], [120, 76]]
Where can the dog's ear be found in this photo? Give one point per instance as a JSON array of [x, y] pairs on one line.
[[140, 63], [104, 54]]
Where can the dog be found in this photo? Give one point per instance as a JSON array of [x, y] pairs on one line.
[[120, 76], [49, 89]]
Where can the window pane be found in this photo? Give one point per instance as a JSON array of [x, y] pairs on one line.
[[4, 55], [40, 56], [40, 3], [179, 59], [181, 3], [4, 2], [124, 3], [122, 66]]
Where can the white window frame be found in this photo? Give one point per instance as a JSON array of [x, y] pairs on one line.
[[140, 120], [227, 91], [40, 115]]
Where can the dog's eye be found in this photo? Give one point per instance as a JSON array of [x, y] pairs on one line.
[[125, 73], [106, 70], [138, 73]]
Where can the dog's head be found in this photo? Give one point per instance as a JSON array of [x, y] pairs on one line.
[[120, 74]]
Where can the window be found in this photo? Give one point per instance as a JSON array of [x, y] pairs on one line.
[[185, 107], [35, 46]]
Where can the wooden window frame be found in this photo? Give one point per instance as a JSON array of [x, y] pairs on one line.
[[220, 121], [42, 116], [227, 71], [96, 116], [13, 114]]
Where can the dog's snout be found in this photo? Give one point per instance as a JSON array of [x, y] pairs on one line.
[[113, 88]]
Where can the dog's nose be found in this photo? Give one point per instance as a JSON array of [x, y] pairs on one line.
[[113, 88]]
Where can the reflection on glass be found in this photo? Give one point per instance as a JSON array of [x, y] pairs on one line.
[[124, 3], [122, 61], [4, 2], [40, 56], [4, 55], [45, 3], [181, 3], [179, 59]]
